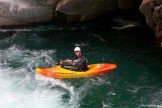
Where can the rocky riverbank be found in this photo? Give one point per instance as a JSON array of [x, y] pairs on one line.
[[16, 13]]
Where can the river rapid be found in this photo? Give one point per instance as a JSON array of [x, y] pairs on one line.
[[136, 83]]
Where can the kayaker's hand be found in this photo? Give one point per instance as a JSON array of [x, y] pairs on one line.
[[61, 62], [73, 63]]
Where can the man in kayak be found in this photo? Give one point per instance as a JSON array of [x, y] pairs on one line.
[[79, 63]]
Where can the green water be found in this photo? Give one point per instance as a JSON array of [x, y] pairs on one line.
[[136, 83]]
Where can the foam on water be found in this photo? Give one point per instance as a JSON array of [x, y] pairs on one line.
[[20, 87], [124, 26], [100, 37], [131, 85]]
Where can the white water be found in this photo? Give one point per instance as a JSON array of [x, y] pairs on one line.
[[125, 24], [20, 87]]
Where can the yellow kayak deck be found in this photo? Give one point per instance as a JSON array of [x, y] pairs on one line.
[[58, 72]]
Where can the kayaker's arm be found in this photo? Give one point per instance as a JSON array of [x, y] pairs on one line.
[[70, 61]]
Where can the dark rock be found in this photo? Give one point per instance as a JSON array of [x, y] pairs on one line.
[[152, 10], [128, 4]]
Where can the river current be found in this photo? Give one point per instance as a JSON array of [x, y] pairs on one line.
[[136, 83]]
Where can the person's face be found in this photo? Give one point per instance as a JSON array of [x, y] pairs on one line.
[[77, 53]]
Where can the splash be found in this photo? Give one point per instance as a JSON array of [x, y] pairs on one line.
[[20, 87]]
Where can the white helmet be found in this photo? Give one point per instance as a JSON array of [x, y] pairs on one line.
[[77, 49]]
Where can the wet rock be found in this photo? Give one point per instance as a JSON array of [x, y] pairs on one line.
[[83, 9], [26, 12], [112, 4], [152, 10], [128, 4], [90, 9], [23, 12]]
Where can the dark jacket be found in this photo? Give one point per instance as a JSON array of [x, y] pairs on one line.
[[81, 62]]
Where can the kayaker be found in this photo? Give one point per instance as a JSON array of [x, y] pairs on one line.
[[79, 63]]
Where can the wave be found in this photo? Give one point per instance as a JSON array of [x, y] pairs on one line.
[[21, 87]]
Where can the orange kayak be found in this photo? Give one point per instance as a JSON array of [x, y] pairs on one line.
[[58, 72]]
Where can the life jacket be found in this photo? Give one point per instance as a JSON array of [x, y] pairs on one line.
[[81, 62]]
